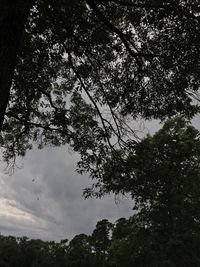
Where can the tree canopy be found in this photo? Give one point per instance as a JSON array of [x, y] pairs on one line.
[[165, 186], [86, 69]]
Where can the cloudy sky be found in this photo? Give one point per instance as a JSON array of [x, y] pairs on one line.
[[43, 199]]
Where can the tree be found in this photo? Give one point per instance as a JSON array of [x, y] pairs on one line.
[[79, 252], [9, 252], [165, 186], [25, 252], [122, 246], [86, 67], [173, 155], [100, 241], [13, 15]]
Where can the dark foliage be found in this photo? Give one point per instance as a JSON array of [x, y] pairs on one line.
[[87, 69]]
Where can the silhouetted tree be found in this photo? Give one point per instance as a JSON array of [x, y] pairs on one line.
[[100, 241], [13, 15], [78, 58], [165, 186], [79, 252]]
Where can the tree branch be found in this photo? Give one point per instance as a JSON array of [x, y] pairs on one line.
[[37, 125], [119, 33]]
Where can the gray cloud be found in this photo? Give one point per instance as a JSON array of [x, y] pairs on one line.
[[44, 199], [49, 194]]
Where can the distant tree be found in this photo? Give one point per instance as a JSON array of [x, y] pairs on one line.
[[9, 252], [25, 252], [36, 253], [100, 241], [79, 252], [57, 253], [123, 245]]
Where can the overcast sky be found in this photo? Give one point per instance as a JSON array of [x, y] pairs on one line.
[[44, 199]]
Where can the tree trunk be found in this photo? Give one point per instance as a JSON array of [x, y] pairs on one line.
[[13, 16]]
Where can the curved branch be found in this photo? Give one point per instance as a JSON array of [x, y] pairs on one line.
[[89, 96], [119, 33]]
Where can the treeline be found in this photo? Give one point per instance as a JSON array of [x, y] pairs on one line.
[[123, 243], [106, 246], [126, 243]]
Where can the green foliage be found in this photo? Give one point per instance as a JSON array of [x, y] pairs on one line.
[[100, 241], [165, 186], [79, 252], [87, 68], [21, 251]]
